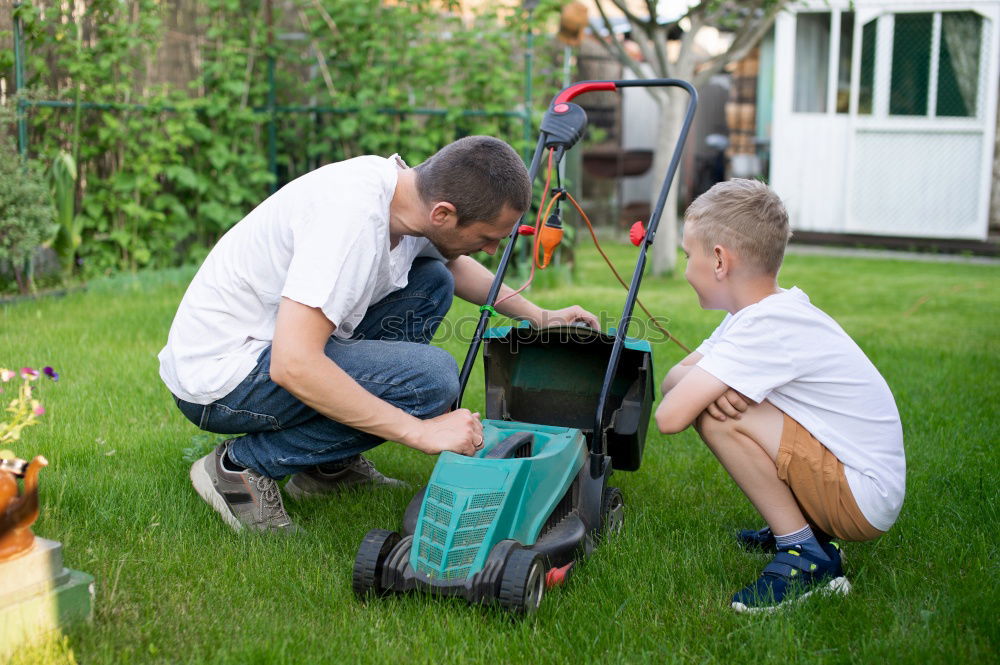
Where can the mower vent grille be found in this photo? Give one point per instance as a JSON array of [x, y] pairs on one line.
[[467, 530], [435, 533], [442, 495], [455, 573], [467, 538], [437, 513], [431, 553], [476, 518], [462, 557], [486, 500]]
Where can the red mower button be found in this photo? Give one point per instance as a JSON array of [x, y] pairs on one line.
[[637, 233], [526, 230], [560, 108]]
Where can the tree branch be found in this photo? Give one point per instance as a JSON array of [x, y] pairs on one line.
[[651, 7], [326, 17], [652, 51], [646, 26], [743, 42], [685, 56], [661, 34], [320, 60], [613, 46]]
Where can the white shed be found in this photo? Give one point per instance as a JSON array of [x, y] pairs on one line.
[[884, 116]]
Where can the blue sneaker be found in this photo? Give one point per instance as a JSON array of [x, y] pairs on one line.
[[761, 541], [793, 575]]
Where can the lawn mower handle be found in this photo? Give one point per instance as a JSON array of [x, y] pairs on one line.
[[598, 443]]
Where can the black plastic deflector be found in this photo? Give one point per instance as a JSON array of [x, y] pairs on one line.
[[553, 376]]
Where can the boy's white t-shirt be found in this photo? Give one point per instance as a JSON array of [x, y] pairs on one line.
[[789, 352], [322, 240]]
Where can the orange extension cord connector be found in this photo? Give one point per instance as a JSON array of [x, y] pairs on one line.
[[549, 238]]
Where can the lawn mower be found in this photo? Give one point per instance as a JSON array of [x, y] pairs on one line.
[[564, 407]]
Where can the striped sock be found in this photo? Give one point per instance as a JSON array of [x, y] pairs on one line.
[[803, 537]]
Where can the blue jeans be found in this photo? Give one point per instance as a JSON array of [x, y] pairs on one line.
[[389, 355]]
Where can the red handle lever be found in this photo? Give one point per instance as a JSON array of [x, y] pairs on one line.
[[580, 88]]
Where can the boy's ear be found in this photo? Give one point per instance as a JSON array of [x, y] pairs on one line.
[[443, 213], [722, 261]]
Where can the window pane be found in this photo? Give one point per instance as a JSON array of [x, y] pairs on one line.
[[958, 71], [867, 83], [812, 61], [844, 61], [911, 64]]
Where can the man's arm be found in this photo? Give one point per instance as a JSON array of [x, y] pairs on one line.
[[473, 281], [300, 366], [687, 399]]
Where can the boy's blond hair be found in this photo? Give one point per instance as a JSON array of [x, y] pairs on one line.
[[745, 216]]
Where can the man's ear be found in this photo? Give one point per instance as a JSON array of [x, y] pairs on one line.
[[443, 214]]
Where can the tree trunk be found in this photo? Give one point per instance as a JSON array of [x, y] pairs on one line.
[[671, 119]]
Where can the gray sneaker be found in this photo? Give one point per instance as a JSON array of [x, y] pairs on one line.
[[244, 498], [316, 482]]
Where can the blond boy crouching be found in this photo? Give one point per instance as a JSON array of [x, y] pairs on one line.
[[787, 402]]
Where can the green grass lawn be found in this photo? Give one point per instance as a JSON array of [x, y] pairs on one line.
[[174, 584]]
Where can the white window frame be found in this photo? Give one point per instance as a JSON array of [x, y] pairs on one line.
[[832, 60], [882, 86]]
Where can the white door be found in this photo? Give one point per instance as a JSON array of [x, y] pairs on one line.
[[810, 137]]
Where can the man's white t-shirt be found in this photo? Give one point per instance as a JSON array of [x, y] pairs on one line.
[[789, 352], [322, 240]]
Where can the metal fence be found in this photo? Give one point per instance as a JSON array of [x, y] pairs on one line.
[[272, 110]]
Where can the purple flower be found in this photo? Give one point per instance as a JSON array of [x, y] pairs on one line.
[[51, 373], [28, 373]]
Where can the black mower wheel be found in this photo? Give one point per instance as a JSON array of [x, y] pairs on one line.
[[523, 583], [372, 553], [612, 512]]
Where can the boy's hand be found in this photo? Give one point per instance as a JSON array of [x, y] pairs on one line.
[[730, 405]]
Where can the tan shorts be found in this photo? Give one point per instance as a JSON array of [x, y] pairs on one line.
[[816, 478]]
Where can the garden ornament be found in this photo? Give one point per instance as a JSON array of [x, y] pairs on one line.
[[573, 18], [18, 510]]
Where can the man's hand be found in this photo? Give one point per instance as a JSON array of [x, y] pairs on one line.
[[473, 281], [459, 431], [566, 316], [730, 405]]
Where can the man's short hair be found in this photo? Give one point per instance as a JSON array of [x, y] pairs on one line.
[[745, 216], [479, 175]]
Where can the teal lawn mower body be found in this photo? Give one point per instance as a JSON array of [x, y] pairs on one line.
[[509, 522], [473, 503]]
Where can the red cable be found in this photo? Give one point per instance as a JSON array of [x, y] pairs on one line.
[[593, 235], [538, 225], [622, 281]]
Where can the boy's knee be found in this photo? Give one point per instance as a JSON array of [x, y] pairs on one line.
[[714, 432], [711, 428]]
